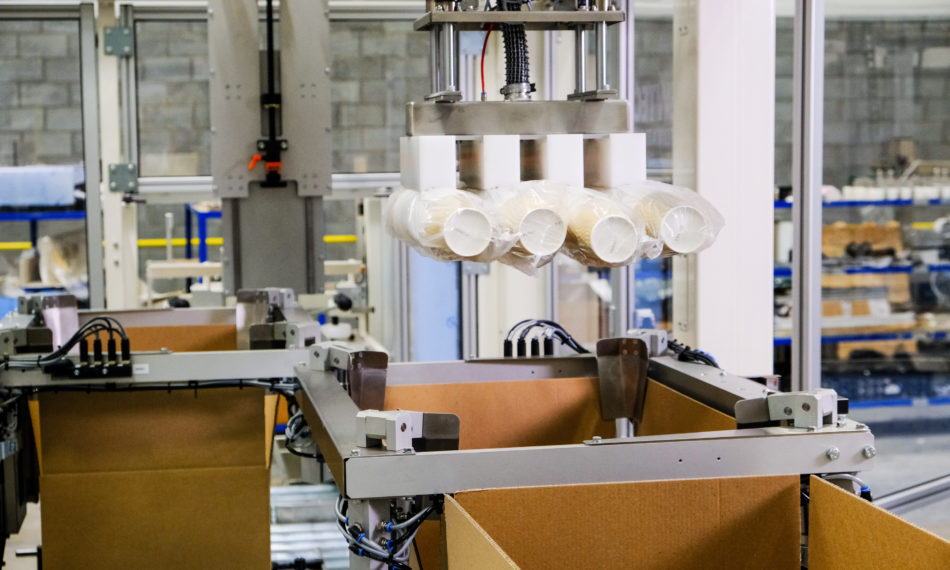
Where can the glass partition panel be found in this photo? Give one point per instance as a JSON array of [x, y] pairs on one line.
[[885, 298], [42, 180], [378, 66], [174, 122]]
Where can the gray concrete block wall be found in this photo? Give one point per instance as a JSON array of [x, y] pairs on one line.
[[376, 68], [882, 80], [653, 95], [40, 118], [173, 98]]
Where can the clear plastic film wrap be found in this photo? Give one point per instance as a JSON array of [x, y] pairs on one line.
[[682, 220], [599, 232], [533, 213], [447, 225]]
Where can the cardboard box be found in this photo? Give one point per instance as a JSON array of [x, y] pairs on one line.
[[547, 411], [699, 523], [155, 479], [746, 522], [749, 522]]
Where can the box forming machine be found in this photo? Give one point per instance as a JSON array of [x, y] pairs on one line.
[[397, 437], [382, 458]]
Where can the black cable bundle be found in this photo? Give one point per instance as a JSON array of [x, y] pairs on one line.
[[550, 331], [686, 354]]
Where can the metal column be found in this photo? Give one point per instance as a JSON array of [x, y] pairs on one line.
[[808, 102], [622, 279], [90, 139]]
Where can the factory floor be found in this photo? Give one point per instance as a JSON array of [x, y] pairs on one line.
[[902, 461]]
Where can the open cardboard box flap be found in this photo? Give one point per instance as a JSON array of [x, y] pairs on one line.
[[699, 523], [749, 522], [847, 532]]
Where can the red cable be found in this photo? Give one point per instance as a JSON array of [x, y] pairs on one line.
[[484, 47]]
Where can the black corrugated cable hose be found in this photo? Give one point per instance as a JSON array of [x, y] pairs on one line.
[[516, 54]]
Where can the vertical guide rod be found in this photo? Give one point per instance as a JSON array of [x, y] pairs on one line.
[[806, 189], [580, 60], [435, 59], [449, 57], [601, 37]]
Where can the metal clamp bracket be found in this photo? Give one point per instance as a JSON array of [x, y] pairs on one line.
[[118, 41], [807, 410], [123, 177]]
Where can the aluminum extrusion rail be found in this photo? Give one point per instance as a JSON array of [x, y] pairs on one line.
[[174, 368]]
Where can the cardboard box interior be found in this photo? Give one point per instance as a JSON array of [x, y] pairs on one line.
[[540, 412], [549, 411], [749, 522]]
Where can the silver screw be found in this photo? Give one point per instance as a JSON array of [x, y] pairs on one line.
[[596, 439], [806, 406], [868, 451], [788, 411], [354, 452], [833, 453]]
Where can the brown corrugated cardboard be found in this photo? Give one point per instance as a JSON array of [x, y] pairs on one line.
[[702, 523], [155, 479], [183, 338], [846, 531], [175, 518], [666, 411], [134, 431], [429, 543], [470, 547], [550, 411]]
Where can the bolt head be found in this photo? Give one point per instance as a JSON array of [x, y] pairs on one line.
[[868, 451], [833, 453], [787, 410], [354, 452], [806, 406]]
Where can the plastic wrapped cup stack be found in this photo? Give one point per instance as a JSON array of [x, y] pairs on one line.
[[448, 223], [599, 233]]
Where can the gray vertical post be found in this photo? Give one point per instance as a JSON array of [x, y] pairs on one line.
[[622, 279], [806, 187], [128, 118], [90, 140]]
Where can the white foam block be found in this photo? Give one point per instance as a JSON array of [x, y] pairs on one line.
[[562, 159], [615, 160], [491, 161], [427, 162]]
